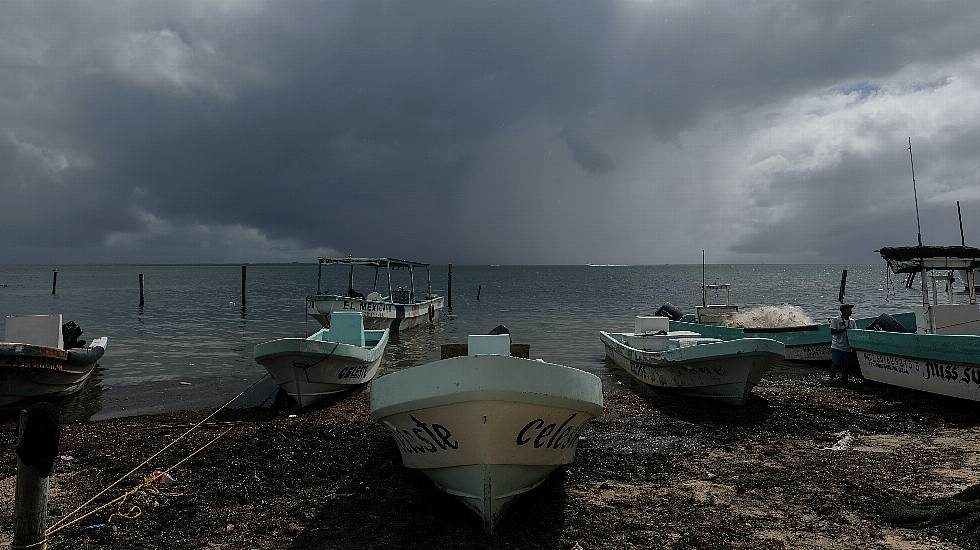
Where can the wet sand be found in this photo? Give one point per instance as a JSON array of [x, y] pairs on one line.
[[654, 471]]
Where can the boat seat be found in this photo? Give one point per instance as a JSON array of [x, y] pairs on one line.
[[488, 344], [687, 342], [40, 330], [347, 327]]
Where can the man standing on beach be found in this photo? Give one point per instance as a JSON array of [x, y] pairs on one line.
[[840, 349]]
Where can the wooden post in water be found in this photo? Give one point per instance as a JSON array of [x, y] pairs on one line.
[[449, 289], [54, 281], [843, 283], [36, 449], [960, 215], [243, 287], [141, 291], [479, 289]]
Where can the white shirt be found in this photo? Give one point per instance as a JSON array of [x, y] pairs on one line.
[[839, 341]]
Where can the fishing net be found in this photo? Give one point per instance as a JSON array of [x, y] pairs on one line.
[[772, 317], [955, 518]]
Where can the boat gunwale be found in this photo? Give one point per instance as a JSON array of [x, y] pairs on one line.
[[341, 349], [487, 388], [387, 301], [865, 341], [682, 356]]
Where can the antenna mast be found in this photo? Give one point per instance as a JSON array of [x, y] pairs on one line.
[[915, 194], [704, 290]]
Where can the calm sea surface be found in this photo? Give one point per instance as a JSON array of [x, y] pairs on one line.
[[191, 346]]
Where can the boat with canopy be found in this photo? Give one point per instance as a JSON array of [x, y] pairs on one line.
[[401, 308]]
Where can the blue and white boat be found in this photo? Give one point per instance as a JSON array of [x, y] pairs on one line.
[[329, 361], [689, 363]]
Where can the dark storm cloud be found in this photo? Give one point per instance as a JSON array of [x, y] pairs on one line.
[[218, 131]]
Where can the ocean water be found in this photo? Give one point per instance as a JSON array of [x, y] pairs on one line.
[[191, 345]]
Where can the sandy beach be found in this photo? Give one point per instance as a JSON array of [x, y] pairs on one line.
[[802, 465]]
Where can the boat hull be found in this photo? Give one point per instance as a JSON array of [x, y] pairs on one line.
[[809, 344], [309, 371], [378, 315], [486, 429], [724, 371], [941, 364], [30, 372]]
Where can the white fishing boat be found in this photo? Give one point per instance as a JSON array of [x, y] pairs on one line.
[[943, 356], [36, 363], [402, 308], [329, 361], [486, 427], [688, 363]]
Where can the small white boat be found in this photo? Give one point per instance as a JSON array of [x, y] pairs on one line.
[[486, 427], [688, 363], [329, 361], [36, 363]]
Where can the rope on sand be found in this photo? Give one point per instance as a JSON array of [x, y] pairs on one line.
[[120, 500]]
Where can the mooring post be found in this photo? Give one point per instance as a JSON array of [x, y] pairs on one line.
[[843, 284], [243, 288], [141, 291], [36, 449], [449, 289], [54, 281], [479, 289]]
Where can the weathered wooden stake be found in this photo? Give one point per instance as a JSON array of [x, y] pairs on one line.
[[54, 281], [479, 289], [141, 291], [243, 288], [449, 289], [31, 496], [843, 284]]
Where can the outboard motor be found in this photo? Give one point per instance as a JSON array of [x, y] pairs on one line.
[[70, 333], [668, 310], [887, 323]]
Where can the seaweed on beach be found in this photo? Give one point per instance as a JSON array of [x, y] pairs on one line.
[[955, 518], [654, 471]]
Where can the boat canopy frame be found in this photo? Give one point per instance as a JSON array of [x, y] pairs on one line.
[[388, 264], [924, 259]]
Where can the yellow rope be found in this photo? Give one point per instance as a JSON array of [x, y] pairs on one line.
[[134, 511], [43, 544], [57, 526]]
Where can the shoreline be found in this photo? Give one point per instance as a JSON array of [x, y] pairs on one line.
[[652, 471]]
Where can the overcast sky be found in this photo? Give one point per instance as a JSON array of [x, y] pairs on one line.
[[485, 132]]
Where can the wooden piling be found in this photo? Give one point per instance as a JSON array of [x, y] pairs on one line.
[[479, 289], [843, 284], [31, 494], [141, 291], [449, 290], [54, 281], [243, 287]]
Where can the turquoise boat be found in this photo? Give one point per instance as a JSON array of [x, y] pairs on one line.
[[810, 343], [943, 355]]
